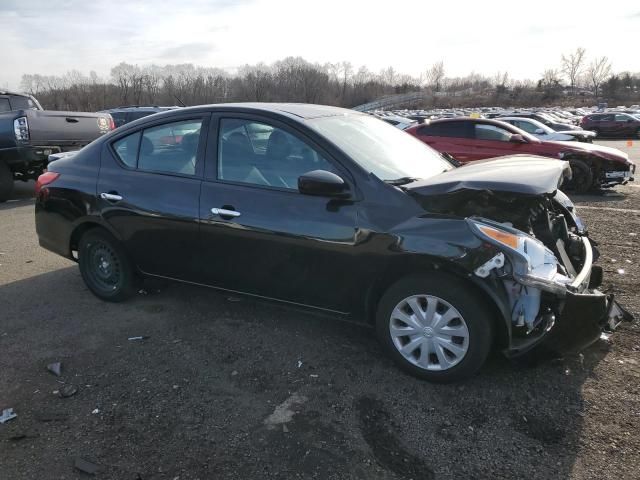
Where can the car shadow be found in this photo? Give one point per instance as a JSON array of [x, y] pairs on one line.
[[599, 196], [191, 392]]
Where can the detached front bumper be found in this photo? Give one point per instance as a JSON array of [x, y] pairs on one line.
[[611, 178]]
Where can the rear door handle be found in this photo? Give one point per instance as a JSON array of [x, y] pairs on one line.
[[222, 212], [112, 197]]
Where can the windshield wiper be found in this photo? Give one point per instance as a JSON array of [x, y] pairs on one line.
[[401, 181]]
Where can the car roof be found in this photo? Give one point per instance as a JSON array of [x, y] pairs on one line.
[[486, 121], [299, 110]]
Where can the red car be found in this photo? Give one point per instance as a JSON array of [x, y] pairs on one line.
[[469, 139], [613, 124]]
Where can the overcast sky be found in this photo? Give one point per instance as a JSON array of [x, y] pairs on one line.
[[51, 37]]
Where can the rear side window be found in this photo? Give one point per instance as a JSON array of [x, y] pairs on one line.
[[170, 148], [622, 117], [127, 149], [447, 129], [4, 105]]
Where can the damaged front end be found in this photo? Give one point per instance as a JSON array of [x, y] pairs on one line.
[[546, 266], [543, 265]]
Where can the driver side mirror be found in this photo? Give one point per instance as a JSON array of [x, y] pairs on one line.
[[517, 138], [323, 184]]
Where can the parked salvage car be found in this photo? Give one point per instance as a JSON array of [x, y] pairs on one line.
[[613, 124], [29, 134], [545, 118], [470, 139], [541, 131], [336, 211]]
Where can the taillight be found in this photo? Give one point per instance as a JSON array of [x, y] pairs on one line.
[[112, 124], [21, 129], [45, 179]]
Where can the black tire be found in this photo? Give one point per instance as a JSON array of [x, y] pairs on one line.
[[582, 176], [472, 309], [105, 266], [6, 182]]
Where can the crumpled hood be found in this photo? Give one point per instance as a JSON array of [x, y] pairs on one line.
[[606, 152], [524, 174]]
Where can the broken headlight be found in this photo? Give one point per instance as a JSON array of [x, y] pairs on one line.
[[532, 263]]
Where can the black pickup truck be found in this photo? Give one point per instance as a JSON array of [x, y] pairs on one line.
[[29, 134]]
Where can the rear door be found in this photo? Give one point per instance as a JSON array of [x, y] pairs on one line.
[[149, 189], [259, 235], [624, 125], [606, 124]]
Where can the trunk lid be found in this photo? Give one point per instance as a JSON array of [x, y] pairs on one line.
[[522, 174]]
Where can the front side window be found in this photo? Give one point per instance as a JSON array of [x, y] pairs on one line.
[[447, 129], [491, 132], [526, 126], [170, 148], [261, 154]]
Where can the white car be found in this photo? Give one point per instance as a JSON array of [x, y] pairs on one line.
[[541, 131]]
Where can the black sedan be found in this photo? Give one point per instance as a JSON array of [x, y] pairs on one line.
[[334, 210]]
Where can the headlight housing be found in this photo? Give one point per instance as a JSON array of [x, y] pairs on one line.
[[532, 262]]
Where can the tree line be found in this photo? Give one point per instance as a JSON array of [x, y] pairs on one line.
[[294, 79]]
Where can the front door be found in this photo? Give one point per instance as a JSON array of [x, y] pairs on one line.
[[259, 235]]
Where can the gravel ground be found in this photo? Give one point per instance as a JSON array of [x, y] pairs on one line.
[[234, 388]]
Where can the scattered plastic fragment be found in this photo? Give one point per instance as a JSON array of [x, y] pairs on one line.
[[605, 337], [85, 466], [613, 260], [67, 391], [55, 368], [620, 271], [7, 414], [299, 363], [142, 291], [138, 338], [95, 411], [313, 375]]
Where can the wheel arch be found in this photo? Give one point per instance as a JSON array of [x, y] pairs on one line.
[[489, 292], [83, 227]]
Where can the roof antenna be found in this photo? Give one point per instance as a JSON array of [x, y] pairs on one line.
[[179, 101]]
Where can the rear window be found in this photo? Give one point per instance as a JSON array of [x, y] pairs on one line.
[[447, 129], [22, 103]]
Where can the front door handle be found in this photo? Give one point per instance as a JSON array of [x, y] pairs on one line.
[[112, 197], [222, 212]]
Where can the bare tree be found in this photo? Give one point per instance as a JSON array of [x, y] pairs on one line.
[[597, 72], [435, 76], [572, 65]]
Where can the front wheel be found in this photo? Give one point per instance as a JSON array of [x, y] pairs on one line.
[[582, 176], [434, 328], [105, 267]]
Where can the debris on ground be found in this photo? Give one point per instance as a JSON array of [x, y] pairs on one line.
[[299, 363], [67, 391], [620, 271], [85, 466], [284, 413], [7, 414], [55, 368], [234, 299], [139, 338], [95, 411]]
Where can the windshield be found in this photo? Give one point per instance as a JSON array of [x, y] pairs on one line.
[[379, 148]]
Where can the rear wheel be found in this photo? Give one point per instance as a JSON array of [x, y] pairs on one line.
[[6, 182], [105, 267], [582, 176], [433, 328]]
